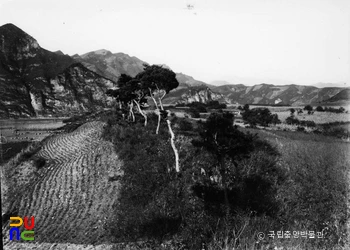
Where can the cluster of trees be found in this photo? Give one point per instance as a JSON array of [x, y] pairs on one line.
[[208, 105], [311, 110], [259, 116], [198, 107], [295, 121], [292, 111], [330, 109], [154, 83]]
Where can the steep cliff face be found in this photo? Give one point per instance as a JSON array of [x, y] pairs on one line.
[[78, 89], [203, 96], [34, 81], [187, 95]]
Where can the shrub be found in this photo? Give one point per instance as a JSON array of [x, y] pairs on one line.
[[319, 109], [308, 108], [308, 123], [185, 125], [194, 112], [259, 116], [299, 128], [200, 107], [39, 162], [292, 111], [216, 105], [292, 120]]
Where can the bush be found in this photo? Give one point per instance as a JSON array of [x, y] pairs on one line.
[[308, 108], [194, 113], [299, 128], [319, 109], [200, 107], [292, 120], [259, 116], [39, 162], [185, 125], [292, 111], [216, 105], [308, 123]]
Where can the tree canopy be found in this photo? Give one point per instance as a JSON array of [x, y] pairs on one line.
[[157, 78]]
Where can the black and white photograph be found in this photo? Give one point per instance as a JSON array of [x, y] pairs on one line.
[[175, 124]]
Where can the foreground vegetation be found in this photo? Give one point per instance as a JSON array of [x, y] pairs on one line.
[[225, 195], [226, 186]]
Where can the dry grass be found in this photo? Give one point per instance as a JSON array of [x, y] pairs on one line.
[[315, 197]]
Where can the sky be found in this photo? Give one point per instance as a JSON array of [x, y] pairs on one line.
[[239, 41]]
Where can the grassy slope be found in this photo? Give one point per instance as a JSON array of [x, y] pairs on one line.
[[319, 168]]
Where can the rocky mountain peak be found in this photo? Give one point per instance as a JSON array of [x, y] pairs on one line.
[[15, 42], [100, 52], [36, 82]]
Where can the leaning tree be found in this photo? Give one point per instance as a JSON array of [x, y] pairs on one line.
[[139, 94], [159, 81], [124, 95]]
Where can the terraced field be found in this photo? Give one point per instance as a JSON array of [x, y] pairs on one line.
[[72, 196]]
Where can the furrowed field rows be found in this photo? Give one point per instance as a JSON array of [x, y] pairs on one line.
[[72, 201]]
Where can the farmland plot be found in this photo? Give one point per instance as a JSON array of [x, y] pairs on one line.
[[72, 196], [317, 117]]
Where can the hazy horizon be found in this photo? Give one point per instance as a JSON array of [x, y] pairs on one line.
[[275, 42]]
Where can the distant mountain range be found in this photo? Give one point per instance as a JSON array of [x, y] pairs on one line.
[[35, 81], [112, 65]]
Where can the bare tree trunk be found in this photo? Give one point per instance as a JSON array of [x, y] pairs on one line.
[[160, 100], [132, 112], [172, 142], [141, 112], [172, 138], [158, 113]]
